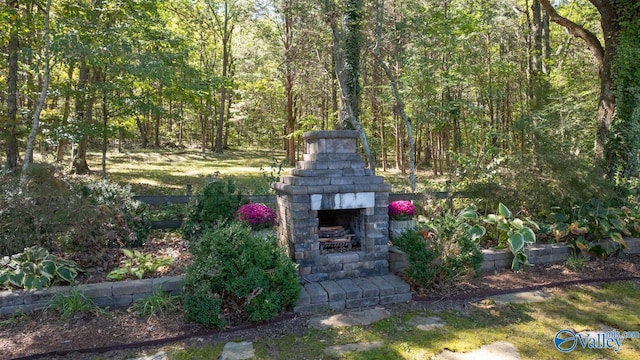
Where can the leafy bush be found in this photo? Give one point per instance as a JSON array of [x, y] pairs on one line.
[[38, 214], [72, 219], [35, 268], [532, 182], [126, 210], [584, 227], [446, 251], [137, 265], [270, 175], [234, 272], [215, 204]]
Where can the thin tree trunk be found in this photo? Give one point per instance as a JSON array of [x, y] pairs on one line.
[[66, 110], [11, 128], [396, 93], [82, 109], [289, 78], [41, 99], [158, 118], [105, 129]]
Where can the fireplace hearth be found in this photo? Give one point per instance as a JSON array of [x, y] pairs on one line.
[[332, 211]]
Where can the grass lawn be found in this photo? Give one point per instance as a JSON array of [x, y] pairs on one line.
[[529, 327], [167, 172]]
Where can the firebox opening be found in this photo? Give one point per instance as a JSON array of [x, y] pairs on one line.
[[340, 230]]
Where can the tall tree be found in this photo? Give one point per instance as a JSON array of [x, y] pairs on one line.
[[10, 127], [43, 94], [353, 42], [332, 13], [288, 10], [603, 53], [226, 15], [623, 144], [396, 93]]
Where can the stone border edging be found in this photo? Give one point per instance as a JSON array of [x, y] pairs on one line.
[[502, 258], [113, 294], [125, 293]]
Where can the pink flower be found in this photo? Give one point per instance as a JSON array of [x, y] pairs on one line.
[[401, 210], [258, 216]]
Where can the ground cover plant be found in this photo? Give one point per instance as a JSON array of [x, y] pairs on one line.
[[35, 268], [137, 265]]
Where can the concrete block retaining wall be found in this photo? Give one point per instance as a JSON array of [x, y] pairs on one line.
[[125, 293], [112, 294], [500, 259]]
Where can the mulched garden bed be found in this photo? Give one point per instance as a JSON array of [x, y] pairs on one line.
[[44, 332]]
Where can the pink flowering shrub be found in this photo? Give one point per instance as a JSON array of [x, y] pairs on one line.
[[401, 210], [258, 216]]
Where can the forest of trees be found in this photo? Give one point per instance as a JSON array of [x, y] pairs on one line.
[[474, 82]]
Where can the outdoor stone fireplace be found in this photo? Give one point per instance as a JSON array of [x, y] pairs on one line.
[[332, 211]]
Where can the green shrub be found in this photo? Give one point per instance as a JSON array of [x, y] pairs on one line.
[[35, 268], [445, 252], [40, 213], [233, 269], [126, 210], [215, 204], [72, 219], [533, 182]]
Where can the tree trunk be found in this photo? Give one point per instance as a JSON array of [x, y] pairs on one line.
[[396, 93], [41, 99], [66, 110], [603, 56], [339, 65], [105, 127], [226, 53], [79, 163], [158, 118], [143, 127], [11, 127], [289, 78]]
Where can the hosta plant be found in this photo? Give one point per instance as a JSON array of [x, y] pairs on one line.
[[137, 265], [35, 268], [513, 233]]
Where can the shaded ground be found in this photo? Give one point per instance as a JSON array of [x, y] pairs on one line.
[[44, 332]]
